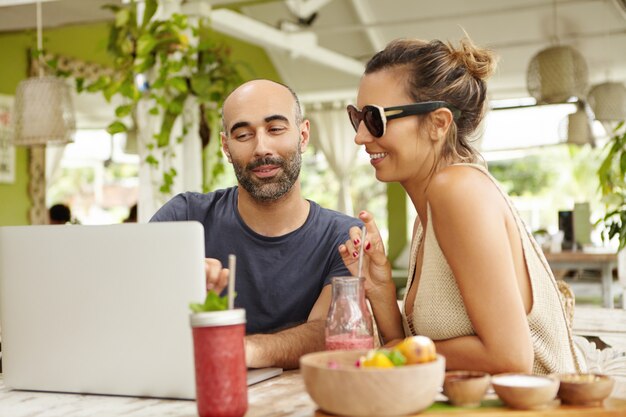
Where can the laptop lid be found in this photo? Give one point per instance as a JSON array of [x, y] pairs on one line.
[[100, 309]]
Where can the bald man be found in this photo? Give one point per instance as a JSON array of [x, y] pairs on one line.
[[286, 245]]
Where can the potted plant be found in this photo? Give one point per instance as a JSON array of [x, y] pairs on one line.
[[611, 175], [167, 62]]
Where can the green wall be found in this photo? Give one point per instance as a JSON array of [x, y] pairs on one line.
[[86, 42], [397, 223]]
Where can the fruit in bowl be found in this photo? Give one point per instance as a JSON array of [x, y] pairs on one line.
[[417, 349], [365, 383], [410, 351]]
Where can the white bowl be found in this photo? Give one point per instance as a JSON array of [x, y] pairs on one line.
[[525, 391]]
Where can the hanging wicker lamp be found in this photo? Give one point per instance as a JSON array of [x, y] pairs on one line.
[[43, 112], [608, 101], [556, 74]]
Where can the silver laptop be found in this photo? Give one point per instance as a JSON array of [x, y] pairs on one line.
[[102, 309]]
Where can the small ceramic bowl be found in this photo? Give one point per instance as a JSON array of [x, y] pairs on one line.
[[585, 389], [525, 391], [465, 388]]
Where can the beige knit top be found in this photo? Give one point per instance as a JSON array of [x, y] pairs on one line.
[[439, 312]]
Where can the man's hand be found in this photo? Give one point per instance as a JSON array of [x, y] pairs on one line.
[[216, 276]]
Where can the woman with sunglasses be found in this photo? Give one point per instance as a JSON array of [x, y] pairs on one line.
[[478, 284]]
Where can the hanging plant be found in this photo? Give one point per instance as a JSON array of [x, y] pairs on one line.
[[612, 174], [165, 61]]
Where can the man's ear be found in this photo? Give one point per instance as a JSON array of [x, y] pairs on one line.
[[440, 121], [225, 147], [305, 134]]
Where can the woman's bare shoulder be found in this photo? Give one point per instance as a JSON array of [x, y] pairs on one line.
[[455, 183]]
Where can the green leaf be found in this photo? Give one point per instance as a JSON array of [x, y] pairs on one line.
[[163, 137], [196, 307], [151, 160], [154, 111], [143, 63], [122, 17], [53, 63], [116, 127], [145, 44], [124, 110], [150, 7], [201, 85], [80, 84], [178, 83], [212, 302], [99, 84], [112, 88]]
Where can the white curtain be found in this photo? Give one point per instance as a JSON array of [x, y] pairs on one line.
[[334, 136], [54, 156]]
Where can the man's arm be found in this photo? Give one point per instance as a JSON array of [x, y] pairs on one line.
[[283, 349]]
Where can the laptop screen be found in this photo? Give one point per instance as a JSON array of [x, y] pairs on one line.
[[100, 309]]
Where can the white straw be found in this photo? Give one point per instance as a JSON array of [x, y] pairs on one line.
[[363, 231], [232, 260]]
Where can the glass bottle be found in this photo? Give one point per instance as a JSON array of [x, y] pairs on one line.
[[349, 322]]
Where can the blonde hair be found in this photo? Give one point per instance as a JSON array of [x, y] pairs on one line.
[[437, 71]]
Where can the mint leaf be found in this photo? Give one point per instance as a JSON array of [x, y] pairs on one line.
[[212, 302]]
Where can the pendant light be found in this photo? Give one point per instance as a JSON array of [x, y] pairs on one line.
[[557, 73], [43, 111], [608, 101]]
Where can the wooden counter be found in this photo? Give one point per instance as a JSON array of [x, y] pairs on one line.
[[277, 397]]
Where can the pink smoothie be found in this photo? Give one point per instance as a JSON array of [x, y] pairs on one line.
[[221, 388], [347, 342]]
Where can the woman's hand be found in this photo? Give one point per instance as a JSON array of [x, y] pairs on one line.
[[376, 267]]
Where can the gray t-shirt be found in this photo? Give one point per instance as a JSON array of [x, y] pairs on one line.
[[278, 278]]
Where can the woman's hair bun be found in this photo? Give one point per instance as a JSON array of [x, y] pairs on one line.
[[479, 62]]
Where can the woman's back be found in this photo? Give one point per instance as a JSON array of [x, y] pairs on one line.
[[438, 310]]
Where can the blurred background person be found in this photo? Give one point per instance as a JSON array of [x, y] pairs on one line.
[[132, 215], [59, 214]]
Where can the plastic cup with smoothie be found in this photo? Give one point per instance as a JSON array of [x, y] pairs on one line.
[[218, 343]]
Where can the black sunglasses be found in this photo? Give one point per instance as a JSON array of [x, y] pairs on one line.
[[376, 117]]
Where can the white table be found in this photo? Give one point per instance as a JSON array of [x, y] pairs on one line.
[[604, 262]]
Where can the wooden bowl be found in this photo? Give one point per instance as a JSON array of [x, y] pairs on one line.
[[338, 386], [465, 388], [525, 391], [585, 389]]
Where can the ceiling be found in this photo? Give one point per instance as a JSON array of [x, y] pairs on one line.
[[319, 46]]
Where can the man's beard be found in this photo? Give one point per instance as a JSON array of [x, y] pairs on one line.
[[269, 189]]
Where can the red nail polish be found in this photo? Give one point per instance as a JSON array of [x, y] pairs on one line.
[[357, 241], [367, 247], [355, 254]]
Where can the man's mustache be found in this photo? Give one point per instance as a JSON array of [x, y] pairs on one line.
[[268, 160]]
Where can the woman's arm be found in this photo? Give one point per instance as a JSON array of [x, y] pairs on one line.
[[469, 219]]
